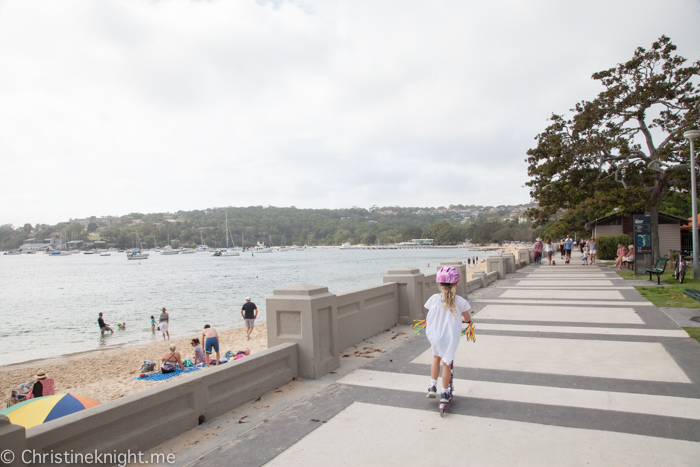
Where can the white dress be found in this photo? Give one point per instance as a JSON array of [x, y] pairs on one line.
[[443, 328]]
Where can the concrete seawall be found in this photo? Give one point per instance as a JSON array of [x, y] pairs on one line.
[[307, 328]]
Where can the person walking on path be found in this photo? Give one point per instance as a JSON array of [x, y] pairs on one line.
[[568, 244], [164, 323], [443, 327], [103, 326], [592, 249], [549, 250], [210, 338], [537, 249], [249, 312], [561, 248]]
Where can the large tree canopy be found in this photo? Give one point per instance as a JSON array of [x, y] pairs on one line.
[[625, 148]]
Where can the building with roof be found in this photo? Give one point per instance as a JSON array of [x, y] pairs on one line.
[[622, 223]]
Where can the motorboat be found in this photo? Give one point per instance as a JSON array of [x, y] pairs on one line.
[[168, 250], [187, 251], [106, 253]]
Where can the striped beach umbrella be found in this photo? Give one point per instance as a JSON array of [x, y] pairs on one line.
[[44, 409]]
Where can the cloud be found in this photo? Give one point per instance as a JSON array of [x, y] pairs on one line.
[[117, 106]]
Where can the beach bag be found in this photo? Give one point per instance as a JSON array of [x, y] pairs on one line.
[[147, 366], [168, 367], [187, 363]]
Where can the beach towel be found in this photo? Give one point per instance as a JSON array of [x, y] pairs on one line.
[[163, 376]]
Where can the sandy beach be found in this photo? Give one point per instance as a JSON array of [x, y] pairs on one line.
[[481, 266], [105, 375]]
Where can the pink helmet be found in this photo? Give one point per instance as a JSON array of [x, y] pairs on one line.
[[448, 275]]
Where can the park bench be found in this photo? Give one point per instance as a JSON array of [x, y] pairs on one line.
[[658, 269], [692, 293]]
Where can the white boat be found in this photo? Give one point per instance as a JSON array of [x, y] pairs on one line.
[[106, 253], [345, 246], [261, 248], [168, 250], [12, 253], [187, 251], [138, 254], [227, 251]]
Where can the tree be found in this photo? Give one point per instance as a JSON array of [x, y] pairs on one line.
[[369, 239], [91, 227], [444, 234], [411, 233], [625, 148]]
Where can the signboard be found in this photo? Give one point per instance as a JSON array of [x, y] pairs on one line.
[[642, 242], [642, 234]]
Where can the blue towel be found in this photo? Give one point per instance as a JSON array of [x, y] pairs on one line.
[[158, 376]]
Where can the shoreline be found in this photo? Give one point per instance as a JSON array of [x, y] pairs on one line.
[[107, 374], [111, 348]]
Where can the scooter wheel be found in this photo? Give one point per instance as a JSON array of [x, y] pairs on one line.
[[442, 410]]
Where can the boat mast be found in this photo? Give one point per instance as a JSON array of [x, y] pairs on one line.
[[226, 217]]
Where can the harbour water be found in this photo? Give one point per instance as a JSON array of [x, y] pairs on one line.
[[49, 305]]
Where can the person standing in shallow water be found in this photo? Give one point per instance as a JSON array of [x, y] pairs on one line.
[[164, 323], [250, 314]]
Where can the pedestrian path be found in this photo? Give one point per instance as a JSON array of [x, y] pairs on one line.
[[570, 367]]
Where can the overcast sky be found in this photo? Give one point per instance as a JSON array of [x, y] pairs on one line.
[[109, 107]]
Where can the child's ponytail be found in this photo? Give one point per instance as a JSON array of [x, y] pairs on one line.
[[449, 292]]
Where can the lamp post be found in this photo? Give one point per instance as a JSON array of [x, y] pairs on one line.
[[690, 136]]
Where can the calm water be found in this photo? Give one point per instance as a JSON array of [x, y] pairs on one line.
[[49, 305]]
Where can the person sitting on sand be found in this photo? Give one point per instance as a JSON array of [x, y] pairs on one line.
[[198, 352], [171, 361], [211, 341], [103, 326]]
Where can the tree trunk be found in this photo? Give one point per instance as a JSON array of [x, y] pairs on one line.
[[654, 213]]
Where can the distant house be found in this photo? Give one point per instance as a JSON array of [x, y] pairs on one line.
[[618, 224]]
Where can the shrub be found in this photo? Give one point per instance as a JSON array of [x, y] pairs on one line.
[[607, 246]]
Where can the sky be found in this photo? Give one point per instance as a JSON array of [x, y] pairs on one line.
[[110, 107]]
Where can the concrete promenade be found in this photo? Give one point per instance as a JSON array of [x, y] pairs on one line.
[[571, 367]]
